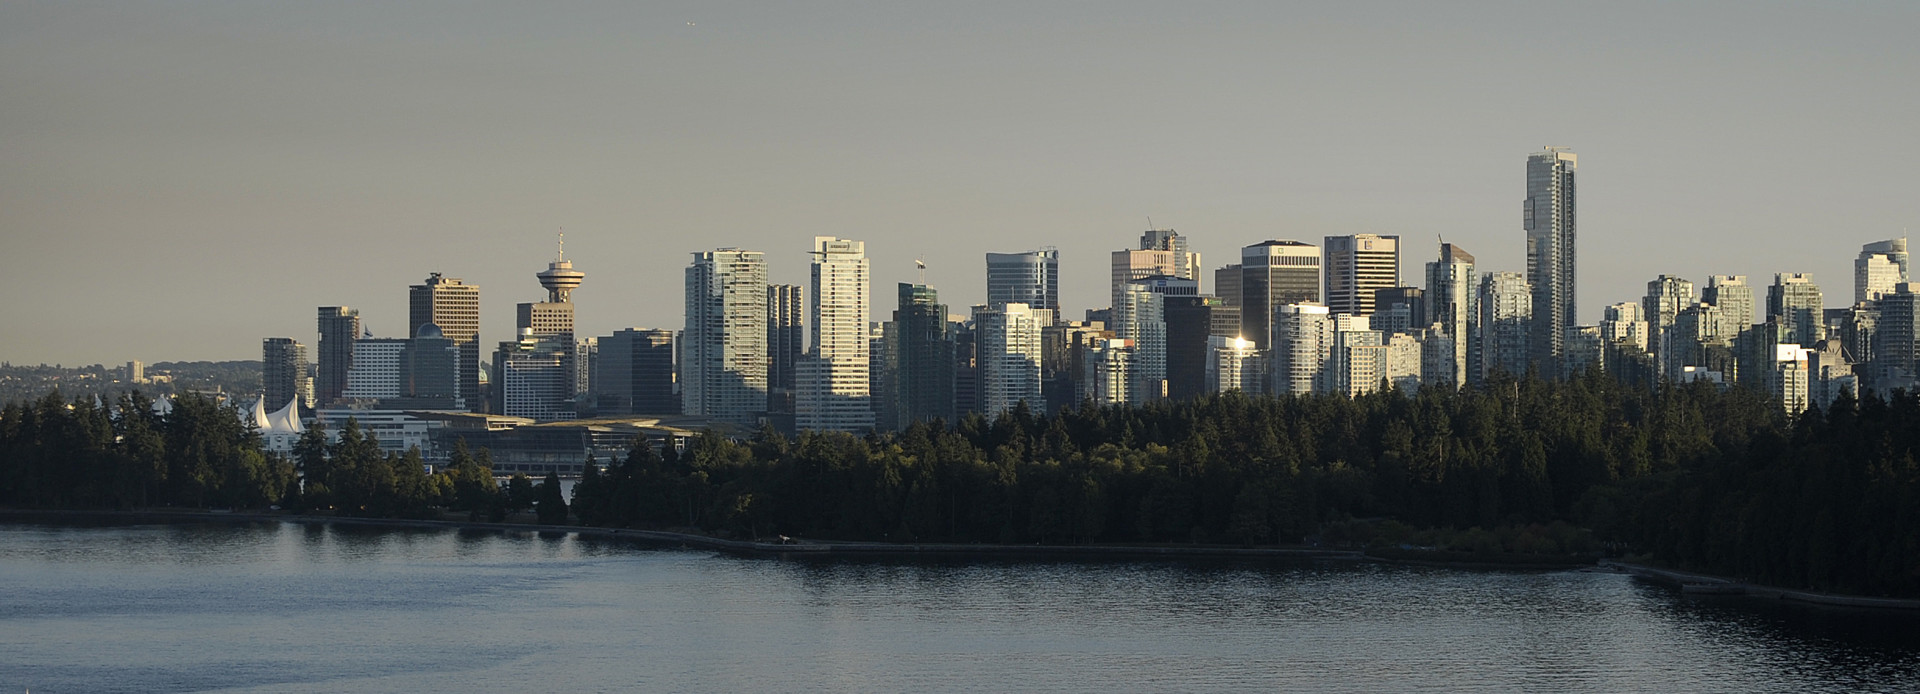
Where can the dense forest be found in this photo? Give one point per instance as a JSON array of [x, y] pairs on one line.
[[1692, 477]]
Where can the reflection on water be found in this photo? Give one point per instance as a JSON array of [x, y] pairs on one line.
[[283, 607]]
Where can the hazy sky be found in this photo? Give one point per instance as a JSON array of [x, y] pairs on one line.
[[179, 180]]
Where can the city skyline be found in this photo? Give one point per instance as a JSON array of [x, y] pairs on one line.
[[332, 156]]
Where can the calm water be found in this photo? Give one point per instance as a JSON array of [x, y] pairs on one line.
[[292, 608]]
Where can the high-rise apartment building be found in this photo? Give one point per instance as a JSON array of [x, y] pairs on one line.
[[339, 328], [723, 352], [454, 307], [1009, 347], [1666, 297], [1139, 316], [1548, 212], [1235, 364], [1734, 297], [1400, 310], [1881, 267], [923, 357], [283, 372], [1031, 278], [1795, 300], [1506, 318], [1356, 267], [1275, 273], [635, 373], [786, 340], [834, 385], [1302, 338], [1453, 304]]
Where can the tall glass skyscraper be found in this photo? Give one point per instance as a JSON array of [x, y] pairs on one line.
[[1549, 223], [1452, 303], [339, 328], [923, 378], [1273, 274], [1031, 278], [723, 359]]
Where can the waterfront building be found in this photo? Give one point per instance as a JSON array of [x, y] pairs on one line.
[[634, 373], [1881, 267], [1356, 268], [1506, 318], [1795, 300], [1235, 364], [533, 377], [339, 328], [723, 366], [280, 430], [283, 372], [1549, 217], [454, 307], [1453, 305], [1031, 278], [924, 362], [786, 341], [1275, 273], [1301, 340], [1009, 356], [834, 384]]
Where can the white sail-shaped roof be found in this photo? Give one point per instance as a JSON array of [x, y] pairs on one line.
[[257, 415], [287, 420], [163, 405]]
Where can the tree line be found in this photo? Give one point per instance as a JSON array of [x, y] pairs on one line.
[[1690, 476]]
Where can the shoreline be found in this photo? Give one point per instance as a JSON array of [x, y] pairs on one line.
[[1702, 584]]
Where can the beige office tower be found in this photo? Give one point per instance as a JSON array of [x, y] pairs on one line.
[[454, 307], [1186, 263], [834, 389], [1357, 266], [723, 352]]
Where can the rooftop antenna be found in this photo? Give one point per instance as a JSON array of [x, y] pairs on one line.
[[1150, 226], [921, 263], [562, 253]]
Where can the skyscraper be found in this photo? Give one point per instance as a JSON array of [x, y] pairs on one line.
[[1795, 300], [1734, 298], [1009, 355], [1186, 263], [339, 328], [283, 371], [723, 367], [1275, 273], [1549, 222], [923, 370], [1666, 297], [1031, 278], [1356, 267], [1139, 316], [1506, 317], [454, 306], [1882, 265], [635, 373], [1302, 337], [1226, 285], [835, 388], [537, 375], [1190, 322], [787, 340]]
